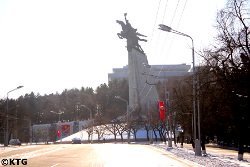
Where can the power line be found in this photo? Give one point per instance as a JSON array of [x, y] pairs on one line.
[[161, 49], [182, 13], [164, 42], [155, 20], [175, 12], [172, 39], [151, 40], [164, 14], [164, 11]]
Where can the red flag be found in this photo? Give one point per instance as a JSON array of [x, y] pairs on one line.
[[162, 110], [58, 133]]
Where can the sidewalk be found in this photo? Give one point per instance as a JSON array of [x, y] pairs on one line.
[[216, 157], [215, 150]]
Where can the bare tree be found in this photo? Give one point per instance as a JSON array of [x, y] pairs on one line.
[[229, 61], [112, 128]]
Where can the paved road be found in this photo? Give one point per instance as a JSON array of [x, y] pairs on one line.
[[95, 155]]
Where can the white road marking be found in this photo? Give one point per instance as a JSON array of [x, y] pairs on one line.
[[54, 165], [36, 153]]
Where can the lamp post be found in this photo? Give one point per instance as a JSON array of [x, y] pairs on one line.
[[59, 114], [91, 118], [16, 122], [170, 118], [6, 143], [59, 122], [197, 141], [122, 99]]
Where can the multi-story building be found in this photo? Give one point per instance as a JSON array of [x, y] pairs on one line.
[[159, 72]]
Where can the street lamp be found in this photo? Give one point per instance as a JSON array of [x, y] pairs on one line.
[[197, 142], [90, 112], [122, 99], [58, 113], [59, 122], [6, 143]]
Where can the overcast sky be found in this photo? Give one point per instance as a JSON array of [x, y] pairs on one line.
[[51, 45]]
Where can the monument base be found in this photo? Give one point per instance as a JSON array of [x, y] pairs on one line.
[[142, 88]]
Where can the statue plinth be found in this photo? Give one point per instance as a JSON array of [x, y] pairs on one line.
[[141, 93]]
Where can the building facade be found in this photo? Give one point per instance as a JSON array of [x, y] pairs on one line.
[[158, 72]]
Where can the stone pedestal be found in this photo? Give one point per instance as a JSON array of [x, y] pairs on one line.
[[142, 90]]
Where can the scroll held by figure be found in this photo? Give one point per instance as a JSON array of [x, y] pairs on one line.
[[131, 34]]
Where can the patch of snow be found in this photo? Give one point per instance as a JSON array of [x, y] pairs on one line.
[[210, 160]]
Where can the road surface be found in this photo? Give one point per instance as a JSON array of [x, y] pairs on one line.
[[94, 155]]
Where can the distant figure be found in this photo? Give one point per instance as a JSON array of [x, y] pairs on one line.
[[130, 34], [192, 142], [203, 147], [178, 139], [181, 138]]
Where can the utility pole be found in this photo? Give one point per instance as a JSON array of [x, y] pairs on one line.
[[6, 142], [77, 111], [196, 140], [169, 118]]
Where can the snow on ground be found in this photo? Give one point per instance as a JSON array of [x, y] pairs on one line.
[[83, 135], [211, 160]]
